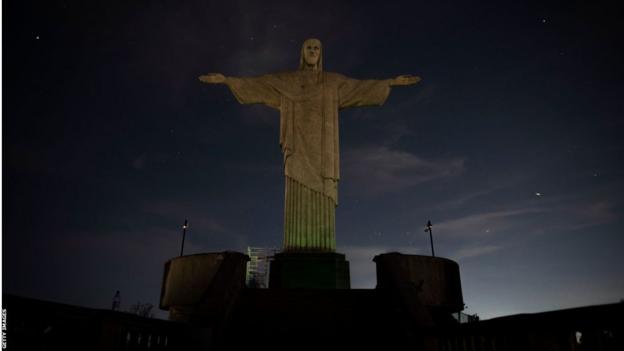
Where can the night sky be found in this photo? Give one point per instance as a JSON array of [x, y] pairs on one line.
[[512, 145]]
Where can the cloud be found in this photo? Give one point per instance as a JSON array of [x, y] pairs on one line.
[[263, 60], [361, 266], [599, 212], [581, 215], [205, 234], [485, 189], [176, 211], [468, 252], [483, 223], [382, 170], [258, 48], [363, 269], [563, 214]]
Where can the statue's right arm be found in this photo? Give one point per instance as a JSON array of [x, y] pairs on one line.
[[406, 79], [247, 90], [213, 78]]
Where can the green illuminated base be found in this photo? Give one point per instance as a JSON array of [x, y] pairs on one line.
[[309, 270]]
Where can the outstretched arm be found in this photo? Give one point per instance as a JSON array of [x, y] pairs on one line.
[[404, 80], [247, 90], [213, 78], [355, 93]]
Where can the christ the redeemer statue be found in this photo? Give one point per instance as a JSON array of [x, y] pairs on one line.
[[308, 100]]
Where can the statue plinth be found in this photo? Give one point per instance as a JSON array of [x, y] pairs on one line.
[[312, 270]]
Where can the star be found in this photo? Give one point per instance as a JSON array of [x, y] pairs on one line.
[[538, 194], [37, 37], [543, 20]]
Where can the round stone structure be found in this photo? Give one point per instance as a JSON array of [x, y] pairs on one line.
[[202, 284], [436, 279]]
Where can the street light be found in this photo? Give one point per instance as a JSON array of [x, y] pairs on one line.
[[429, 226], [183, 236]]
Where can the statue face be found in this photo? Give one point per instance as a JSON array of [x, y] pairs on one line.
[[311, 51]]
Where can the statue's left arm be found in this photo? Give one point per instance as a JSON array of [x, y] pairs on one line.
[[355, 93]]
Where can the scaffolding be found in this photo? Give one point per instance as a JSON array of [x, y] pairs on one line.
[[258, 266]]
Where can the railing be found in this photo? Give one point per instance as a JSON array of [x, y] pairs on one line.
[[599, 328]]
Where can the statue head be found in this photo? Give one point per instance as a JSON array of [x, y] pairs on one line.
[[311, 55]]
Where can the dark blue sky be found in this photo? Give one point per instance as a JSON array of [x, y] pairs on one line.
[[110, 142]]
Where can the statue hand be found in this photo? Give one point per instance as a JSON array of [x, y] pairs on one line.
[[405, 80], [212, 78]]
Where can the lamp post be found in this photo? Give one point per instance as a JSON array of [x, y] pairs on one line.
[[429, 226], [183, 236]]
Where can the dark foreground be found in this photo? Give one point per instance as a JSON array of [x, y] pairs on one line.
[[308, 319]]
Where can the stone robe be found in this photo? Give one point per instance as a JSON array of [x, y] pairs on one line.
[[308, 102]]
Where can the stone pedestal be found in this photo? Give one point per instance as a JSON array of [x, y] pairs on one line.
[[309, 270], [203, 286], [434, 279]]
